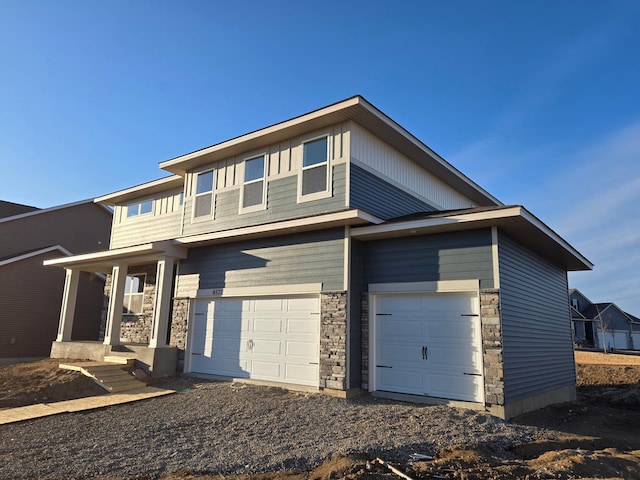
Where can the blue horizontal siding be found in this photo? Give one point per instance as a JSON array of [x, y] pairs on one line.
[[536, 326]]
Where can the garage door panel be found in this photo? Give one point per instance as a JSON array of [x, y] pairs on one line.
[[267, 325], [265, 346], [268, 305], [301, 374], [303, 326], [462, 360], [304, 305], [392, 354], [392, 328], [299, 348], [454, 386], [398, 303], [401, 380], [265, 370]]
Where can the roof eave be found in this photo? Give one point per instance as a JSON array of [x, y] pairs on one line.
[[149, 188]]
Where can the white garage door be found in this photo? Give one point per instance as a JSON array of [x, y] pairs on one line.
[[618, 339], [635, 338], [429, 344], [275, 339]]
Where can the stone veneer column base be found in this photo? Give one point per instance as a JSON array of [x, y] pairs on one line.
[[492, 348], [333, 341]]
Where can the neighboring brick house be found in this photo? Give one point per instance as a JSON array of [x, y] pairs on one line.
[[31, 294], [602, 325], [336, 252]]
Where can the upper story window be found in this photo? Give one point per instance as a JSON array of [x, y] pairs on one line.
[[203, 205], [133, 295], [315, 167], [253, 187], [139, 208]]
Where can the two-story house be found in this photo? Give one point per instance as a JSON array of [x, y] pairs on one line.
[[337, 252]]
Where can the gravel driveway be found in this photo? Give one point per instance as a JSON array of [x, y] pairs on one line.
[[224, 428]]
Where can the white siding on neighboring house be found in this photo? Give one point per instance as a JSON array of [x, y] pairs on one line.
[[372, 153]]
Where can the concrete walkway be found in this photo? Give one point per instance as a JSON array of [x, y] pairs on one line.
[[11, 415]]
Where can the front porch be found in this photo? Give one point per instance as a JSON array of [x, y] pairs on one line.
[[155, 355]]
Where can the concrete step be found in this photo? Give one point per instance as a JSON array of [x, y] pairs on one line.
[[124, 385]]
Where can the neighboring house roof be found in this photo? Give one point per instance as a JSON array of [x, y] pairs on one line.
[[34, 253], [42, 211], [592, 311], [9, 209], [515, 221], [576, 315], [360, 111]]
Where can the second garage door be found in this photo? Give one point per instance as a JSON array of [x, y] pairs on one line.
[[429, 344], [274, 339]]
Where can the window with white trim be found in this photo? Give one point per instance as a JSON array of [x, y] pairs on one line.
[[139, 208], [133, 294], [253, 187], [203, 204], [315, 167]]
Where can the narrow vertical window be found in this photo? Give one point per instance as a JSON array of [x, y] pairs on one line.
[[315, 166], [253, 187], [204, 194], [133, 295]]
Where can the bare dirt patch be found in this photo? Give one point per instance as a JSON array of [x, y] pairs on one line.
[[596, 437]]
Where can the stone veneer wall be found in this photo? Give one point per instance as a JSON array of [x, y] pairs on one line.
[[134, 328], [491, 345], [333, 340], [178, 328]]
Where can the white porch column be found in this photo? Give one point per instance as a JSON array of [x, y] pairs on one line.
[[68, 309], [114, 314], [162, 304]]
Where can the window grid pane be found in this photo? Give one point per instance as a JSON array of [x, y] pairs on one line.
[[254, 169], [314, 152], [203, 205], [314, 180], [253, 194], [205, 182]]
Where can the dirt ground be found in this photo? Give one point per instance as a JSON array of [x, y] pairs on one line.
[[596, 437]]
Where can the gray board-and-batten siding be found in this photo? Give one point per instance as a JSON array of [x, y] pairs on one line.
[[311, 257], [536, 324], [380, 198], [426, 258]]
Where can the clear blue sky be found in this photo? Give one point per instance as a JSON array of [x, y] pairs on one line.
[[538, 101]]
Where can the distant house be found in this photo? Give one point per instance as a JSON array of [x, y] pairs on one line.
[[602, 325], [30, 293], [336, 252]]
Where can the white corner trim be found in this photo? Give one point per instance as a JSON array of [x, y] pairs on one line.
[[266, 290], [495, 258], [441, 286], [36, 253]]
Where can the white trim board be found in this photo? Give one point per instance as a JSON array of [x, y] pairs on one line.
[[266, 290], [441, 286]]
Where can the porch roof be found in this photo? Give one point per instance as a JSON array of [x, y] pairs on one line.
[[102, 262]]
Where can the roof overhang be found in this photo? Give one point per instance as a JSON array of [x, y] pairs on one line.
[[360, 111], [149, 188], [104, 261], [515, 221], [287, 227]]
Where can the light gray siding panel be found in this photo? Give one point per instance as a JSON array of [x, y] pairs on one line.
[[380, 198], [536, 325], [145, 229], [316, 257], [446, 256], [282, 204]]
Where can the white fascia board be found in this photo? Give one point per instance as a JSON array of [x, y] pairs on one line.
[[44, 210], [36, 253], [128, 253], [154, 186], [288, 226], [453, 219]]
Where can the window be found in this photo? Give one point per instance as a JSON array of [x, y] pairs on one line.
[[253, 191], [204, 194], [133, 295], [139, 208], [315, 167]]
